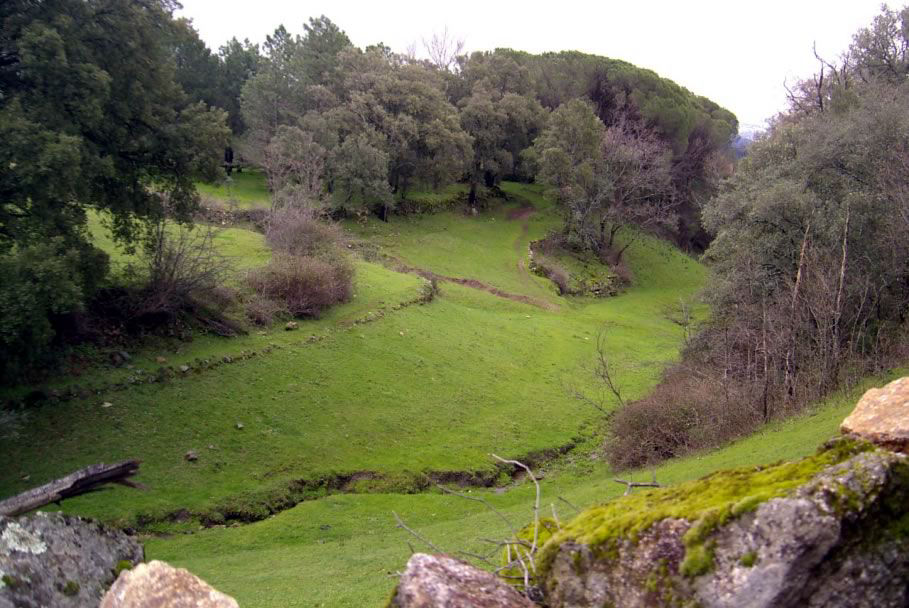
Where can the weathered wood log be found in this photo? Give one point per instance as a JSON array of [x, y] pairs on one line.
[[79, 482]]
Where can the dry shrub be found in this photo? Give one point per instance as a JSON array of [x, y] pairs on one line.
[[304, 285], [297, 231], [263, 311], [222, 297], [183, 266], [686, 412]]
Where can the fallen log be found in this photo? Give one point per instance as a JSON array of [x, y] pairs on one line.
[[79, 482]]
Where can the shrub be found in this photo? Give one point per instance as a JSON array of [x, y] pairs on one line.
[[183, 265], [262, 310], [42, 284], [298, 232], [305, 285], [687, 411]]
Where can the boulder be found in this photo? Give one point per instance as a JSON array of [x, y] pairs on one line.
[[882, 416], [51, 559], [159, 585], [439, 581], [830, 530]]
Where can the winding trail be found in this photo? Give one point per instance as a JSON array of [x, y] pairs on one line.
[[521, 213]]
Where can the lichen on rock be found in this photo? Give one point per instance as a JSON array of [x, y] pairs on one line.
[[51, 559], [757, 536]]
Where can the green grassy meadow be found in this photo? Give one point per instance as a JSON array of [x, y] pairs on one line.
[[382, 390]]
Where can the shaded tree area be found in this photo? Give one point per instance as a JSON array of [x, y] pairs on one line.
[[467, 118], [92, 116], [810, 283]]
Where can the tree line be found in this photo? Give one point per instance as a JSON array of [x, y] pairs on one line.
[[810, 261], [117, 106]]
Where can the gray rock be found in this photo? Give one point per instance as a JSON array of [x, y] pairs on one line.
[[51, 559], [159, 585], [838, 539], [439, 581]]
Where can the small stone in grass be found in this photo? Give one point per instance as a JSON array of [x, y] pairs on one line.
[[191, 456], [107, 404], [239, 426]]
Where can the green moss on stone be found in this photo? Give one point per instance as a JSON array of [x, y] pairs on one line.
[[748, 559], [123, 564], [71, 589], [698, 560], [707, 503]]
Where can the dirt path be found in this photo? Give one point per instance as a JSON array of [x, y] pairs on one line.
[[475, 284], [521, 248]]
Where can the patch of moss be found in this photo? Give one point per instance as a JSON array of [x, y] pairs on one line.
[[698, 560], [71, 589], [123, 564], [748, 559], [13, 582], [708, 503]]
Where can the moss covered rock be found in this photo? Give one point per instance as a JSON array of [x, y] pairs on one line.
[[832, 529]]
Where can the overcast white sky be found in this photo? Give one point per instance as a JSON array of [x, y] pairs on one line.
[[734, 52]]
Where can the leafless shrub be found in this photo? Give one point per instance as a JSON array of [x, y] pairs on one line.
[[297, 231], [183, 265], [263, 311], [305, 285]]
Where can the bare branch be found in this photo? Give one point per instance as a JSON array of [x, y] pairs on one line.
[[536, 504], [636, 484], [403, 526], [576, 510], [443, 49], [483, 501]]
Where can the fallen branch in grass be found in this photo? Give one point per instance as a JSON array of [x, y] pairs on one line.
[[636, 484], [89, 479]]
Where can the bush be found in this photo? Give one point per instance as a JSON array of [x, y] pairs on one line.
[[686, 412], [183, 266], [298, 232], [262, 310], [305, 285], [42, 285]]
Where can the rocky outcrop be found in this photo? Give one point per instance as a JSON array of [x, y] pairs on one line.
[[159, 585], [831, 530], [51, 559], [439, 581], [882, 416]]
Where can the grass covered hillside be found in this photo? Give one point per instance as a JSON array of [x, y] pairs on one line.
[[308, 440], [373, 395]]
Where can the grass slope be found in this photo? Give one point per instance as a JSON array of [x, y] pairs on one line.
[[420, 388], [342, 550]]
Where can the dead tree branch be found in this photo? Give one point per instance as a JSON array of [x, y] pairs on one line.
[[89, 479], [484, 502], [536, 504], [415, 534], [636, 484]]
